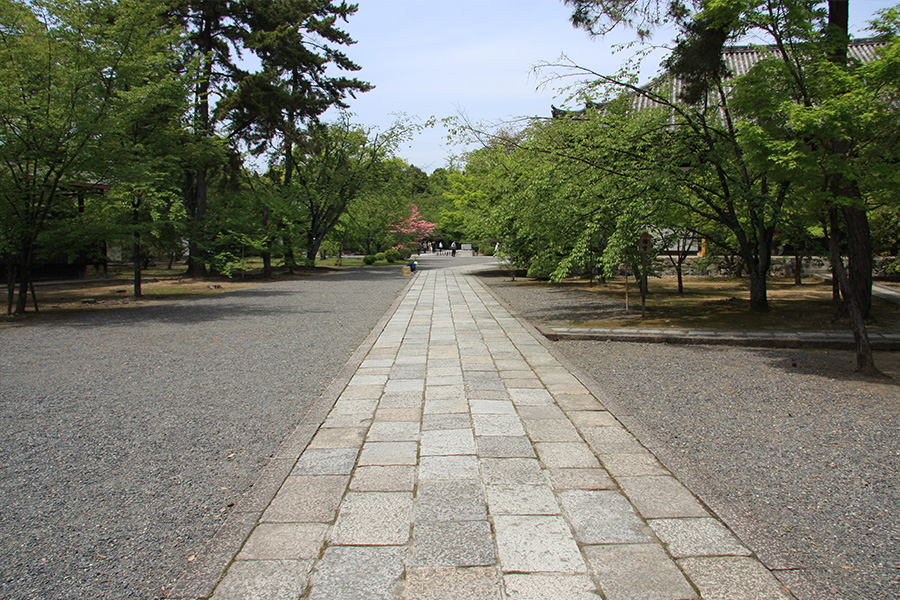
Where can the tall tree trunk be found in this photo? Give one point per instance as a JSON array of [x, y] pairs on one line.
[[865, 362]]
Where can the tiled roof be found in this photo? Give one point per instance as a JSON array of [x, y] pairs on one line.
[[739, 60]]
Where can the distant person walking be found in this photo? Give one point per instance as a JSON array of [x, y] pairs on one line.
[[452, 248]]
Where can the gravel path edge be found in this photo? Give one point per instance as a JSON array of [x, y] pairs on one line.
[[201, 576], [803, 583]]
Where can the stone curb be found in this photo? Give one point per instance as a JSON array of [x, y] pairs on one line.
[[201, 576], [838, 340]]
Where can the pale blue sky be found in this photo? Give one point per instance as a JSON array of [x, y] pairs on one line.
[[440, 57]]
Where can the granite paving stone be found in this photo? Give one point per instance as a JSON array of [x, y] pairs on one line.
[[508, 425], [697, 537], [611, 440], [313, 499], [604, 517], [581, 479], [358, 573], [659, 497], [479, 583], [573, 455], [546, 586], [447, 442], [452, 544], [443, 500], [285, 541], [498, 471], [733, 578], [373, 519], [326, 461], [388, 453], [504, 447], [637, 572], [393, 431], [508, 499], [633, 465], [541, 412], [264, 580], [537, 544], [551, 430], [448, 467], [338, 437], [377, 478]]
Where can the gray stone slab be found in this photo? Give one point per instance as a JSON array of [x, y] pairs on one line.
[[499, 471], [585, 401], [537, 544], [444, 406], [348, 420], [566, 455], [547, 586], [404, 385], [398, 414], [611, 440], [592, 418], [373, 519], [637, 572], [449, 467], [633, 465], [497, 425], [355, 391], [659, 497], [393, 431], [445, 442], [264, 580], [504, 447], [446, 421], [441, 500], [697, 537], [339, 437], [358, 573], [389, 453], [411, 399], [581, 479], [312, 499], [603, 517], [551, 430], [511, 499], [530, 397], [543, 411], [445, 392], [367, 380], [492, 407], [453, 544], [519, 382], [284, 541], [376, 478], [326, 461], [479, 583], [733, 578]]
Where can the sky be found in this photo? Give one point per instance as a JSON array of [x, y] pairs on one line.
[[444, 58]]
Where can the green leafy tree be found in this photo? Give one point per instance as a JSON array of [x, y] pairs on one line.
[[73, 76]]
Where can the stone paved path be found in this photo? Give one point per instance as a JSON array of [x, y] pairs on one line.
[[463, 461]]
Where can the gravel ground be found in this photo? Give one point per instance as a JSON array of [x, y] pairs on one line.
[[128, 434], [799, 444]]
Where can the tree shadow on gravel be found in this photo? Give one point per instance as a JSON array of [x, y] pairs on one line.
[[830, 363]]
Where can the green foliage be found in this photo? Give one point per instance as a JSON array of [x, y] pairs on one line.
[[370, 259], [392, 255], [380, 256]]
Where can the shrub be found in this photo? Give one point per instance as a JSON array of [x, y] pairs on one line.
[[392, 255], [380, 256], [369, 259], [405, 253]]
